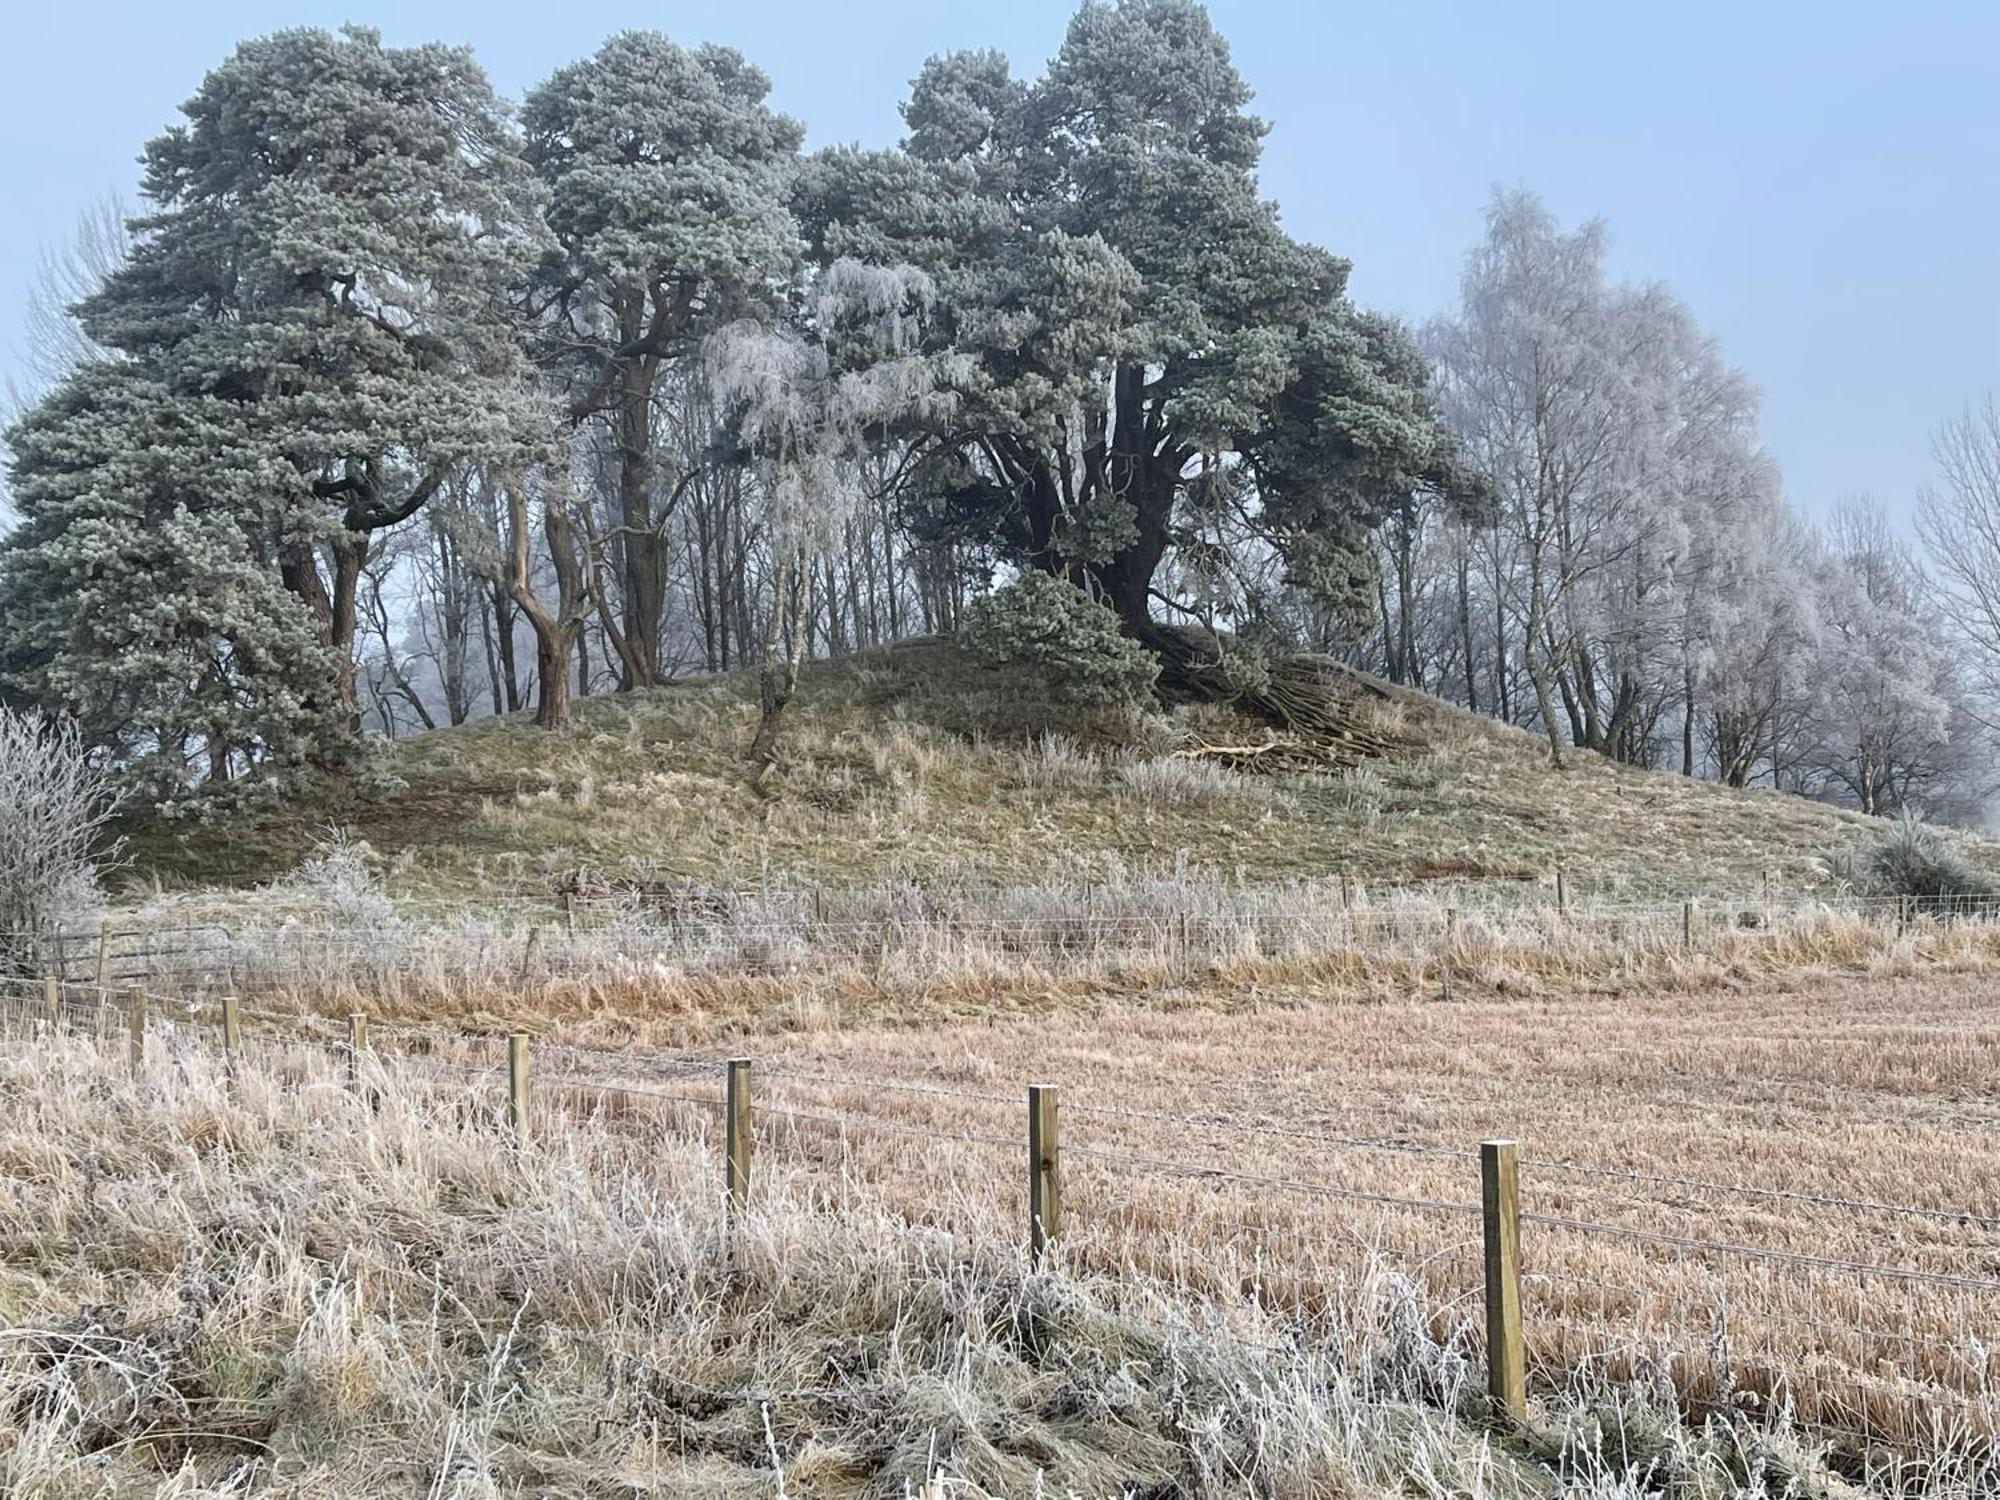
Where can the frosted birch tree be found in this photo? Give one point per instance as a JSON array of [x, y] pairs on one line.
[[1526, 384], [807, 400], [1885, 684], [1958, 517], [53, 341]]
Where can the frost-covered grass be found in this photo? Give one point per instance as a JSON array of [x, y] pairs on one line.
[[901, 764], [279, 1285], [1169, 783], [330, 939]]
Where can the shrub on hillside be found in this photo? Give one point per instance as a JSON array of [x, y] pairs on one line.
[[338, 884], [1072, 642], [1171, 782], [1915, 860]]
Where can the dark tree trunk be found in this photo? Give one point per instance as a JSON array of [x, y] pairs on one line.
[[552, 696], [643, 546], [1687, 723], [509, 682], [350, 553]]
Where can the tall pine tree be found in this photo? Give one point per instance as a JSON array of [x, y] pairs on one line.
[[313, 330], [1165, 381]]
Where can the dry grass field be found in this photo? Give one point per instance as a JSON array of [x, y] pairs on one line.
[[1762, 1250], [308, 1281], [1817, 1126], [1761, 1196]]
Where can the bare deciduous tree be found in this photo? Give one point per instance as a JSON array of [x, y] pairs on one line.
[[1959, 521], [54, 803], [805, 401], [53, 343]]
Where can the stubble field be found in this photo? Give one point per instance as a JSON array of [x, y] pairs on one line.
[[1770, 1203], [1800, 1174]]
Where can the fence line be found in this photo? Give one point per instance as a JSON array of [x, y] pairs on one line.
[[1186, 922]]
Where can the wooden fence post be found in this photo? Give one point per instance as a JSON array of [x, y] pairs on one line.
[[1562, 892], [52, 999], [1500, 1202], [736, 1138], [103, 960], [1687, 925], [135, 1018], [517, 1085], [1044, 1169], [357, 1042], [232, 1033]]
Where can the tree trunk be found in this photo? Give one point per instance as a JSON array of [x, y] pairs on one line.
[[643, 547], [1538, 671], [552, 696], [1465, 626], [555, 630], [1687, 723], [508, 688], [350, 552], [298, 569], [778, 672], [1136, 467]]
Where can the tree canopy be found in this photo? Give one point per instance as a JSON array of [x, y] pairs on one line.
[[667, 176], [1159, 376], [395, 406], [311, 333]]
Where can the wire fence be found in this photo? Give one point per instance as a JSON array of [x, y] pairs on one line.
[[1614, 1278], [1163, 928]]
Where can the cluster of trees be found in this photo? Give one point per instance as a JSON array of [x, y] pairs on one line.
[[393, 388], [400, 406], [1640, 587]]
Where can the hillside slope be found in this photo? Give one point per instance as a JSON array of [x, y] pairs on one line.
[[909, 764]]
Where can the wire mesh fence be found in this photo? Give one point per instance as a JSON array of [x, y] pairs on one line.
[[1164, 928]]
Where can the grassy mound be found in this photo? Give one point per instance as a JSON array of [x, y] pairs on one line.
[[909, 764]]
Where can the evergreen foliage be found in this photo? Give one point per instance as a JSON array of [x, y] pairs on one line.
[[389, 412], [310, 334], [1915, 860], [667, 177], [1073, 643], [1160, 376]]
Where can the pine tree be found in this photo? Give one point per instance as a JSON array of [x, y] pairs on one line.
[[139, 595], [314, 328], [1163, 377], [667, 176]]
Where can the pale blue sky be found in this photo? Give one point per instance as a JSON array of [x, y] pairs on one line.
[[1820, 181]]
